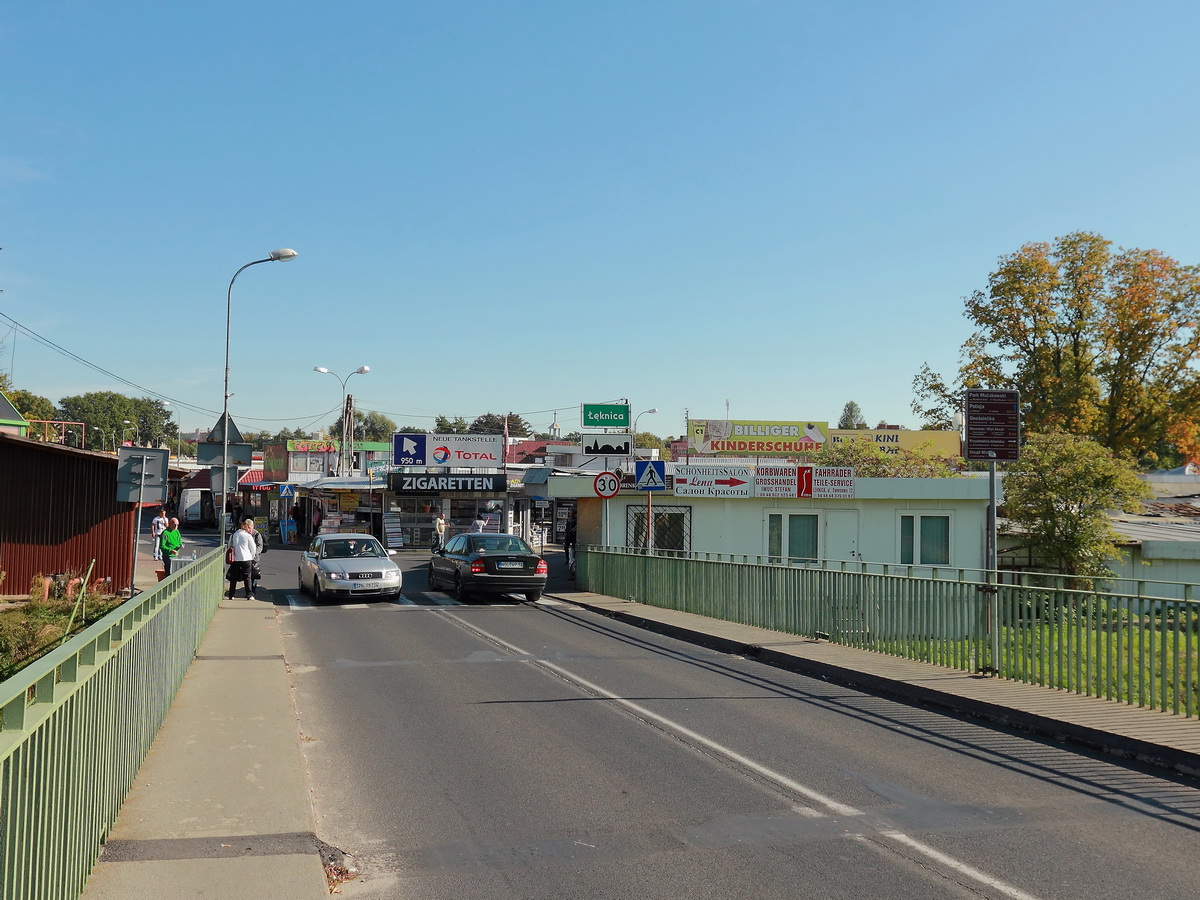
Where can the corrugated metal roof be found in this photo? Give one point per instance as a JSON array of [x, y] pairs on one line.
[[1137, 528]]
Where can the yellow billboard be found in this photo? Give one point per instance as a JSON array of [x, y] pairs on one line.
[[756, 437], [893, 440]]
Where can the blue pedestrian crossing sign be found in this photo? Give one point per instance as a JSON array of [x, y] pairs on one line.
[[650, 475], [287, 490]]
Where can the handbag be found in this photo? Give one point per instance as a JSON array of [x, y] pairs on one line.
[[229, 556], [255, 571]]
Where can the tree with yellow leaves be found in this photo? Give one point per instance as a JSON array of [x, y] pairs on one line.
[[1100, 343]]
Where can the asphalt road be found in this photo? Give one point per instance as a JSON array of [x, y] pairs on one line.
[[503, 749]]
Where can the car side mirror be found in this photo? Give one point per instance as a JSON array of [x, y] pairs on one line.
[[391, 553]]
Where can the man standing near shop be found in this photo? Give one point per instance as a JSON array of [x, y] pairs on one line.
[[157, 526], [439, 531], [170, 544]]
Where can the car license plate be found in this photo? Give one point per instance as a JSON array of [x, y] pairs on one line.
[[366, 585], [509, 564]]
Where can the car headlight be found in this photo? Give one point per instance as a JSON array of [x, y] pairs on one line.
[[335, 576], [393, 575]]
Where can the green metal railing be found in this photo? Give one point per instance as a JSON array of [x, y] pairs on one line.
[[76, 725], [1144, 651]]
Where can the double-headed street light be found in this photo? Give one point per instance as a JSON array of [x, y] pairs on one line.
[[347, 416], [136, 430], [275, 256]]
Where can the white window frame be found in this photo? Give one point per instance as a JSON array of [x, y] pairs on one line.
[[786, 511], [917, 515]]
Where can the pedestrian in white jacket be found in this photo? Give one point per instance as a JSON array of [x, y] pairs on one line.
[[244, 552]]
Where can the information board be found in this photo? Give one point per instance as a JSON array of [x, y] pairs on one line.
[[993, 424]]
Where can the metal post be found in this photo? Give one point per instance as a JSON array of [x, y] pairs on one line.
[[649, 523], [137, 527], [275, 256], [992, 580]]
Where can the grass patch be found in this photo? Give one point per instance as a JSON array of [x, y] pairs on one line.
[[31, 628]]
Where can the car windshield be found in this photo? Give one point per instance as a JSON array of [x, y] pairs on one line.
[[351, 549], [500, 543]]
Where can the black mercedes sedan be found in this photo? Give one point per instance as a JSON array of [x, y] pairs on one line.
[[488, 564]]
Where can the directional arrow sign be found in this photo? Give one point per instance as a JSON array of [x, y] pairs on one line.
[[408, 449]]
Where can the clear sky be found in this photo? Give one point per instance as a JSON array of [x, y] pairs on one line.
[[766, 206]]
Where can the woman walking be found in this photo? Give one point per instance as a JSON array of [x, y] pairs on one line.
[[243, 551]]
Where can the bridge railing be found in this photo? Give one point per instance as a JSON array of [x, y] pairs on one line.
[[1144, 651], [76, 725]]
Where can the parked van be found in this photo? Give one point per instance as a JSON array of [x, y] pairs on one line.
[[196, 507]]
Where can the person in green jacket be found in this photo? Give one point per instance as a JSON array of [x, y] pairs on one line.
[[170, 543]]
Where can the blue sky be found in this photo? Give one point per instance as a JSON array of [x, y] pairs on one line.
[[770, 207]]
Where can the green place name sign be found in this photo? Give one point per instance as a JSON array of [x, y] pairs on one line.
[[606, 415]]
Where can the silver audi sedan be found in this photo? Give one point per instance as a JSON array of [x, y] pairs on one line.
[[338, 566]]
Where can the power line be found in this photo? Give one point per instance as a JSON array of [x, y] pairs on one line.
[[49, 344]]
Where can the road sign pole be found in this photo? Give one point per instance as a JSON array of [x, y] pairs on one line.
[[137, 526], [649, 523], [992, 573]]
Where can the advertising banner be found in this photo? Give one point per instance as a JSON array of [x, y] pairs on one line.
[[713, 481], [781, 481], [832, 483], [416, 483], [756, 437], [893, 440], [473, 451], [817, 482]]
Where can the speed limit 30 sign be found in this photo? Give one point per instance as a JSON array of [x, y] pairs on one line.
[[607, 485]]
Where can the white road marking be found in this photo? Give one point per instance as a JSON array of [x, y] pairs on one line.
[[301, 601], [833, 806]]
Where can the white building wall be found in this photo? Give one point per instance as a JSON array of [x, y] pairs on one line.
[[865, 529]]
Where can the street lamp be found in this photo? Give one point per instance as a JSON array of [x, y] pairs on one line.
[[177, 455], [649, 514], [644, 412], [137, 431], [347, 417], [274, 256]]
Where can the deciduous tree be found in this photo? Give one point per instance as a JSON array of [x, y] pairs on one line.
[[1059, 493], [31, 406], [870, 460], [444, 425], [493, 423], [1099, 343]]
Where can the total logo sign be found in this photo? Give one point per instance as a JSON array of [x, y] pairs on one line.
[[463, 450], [444, 456]]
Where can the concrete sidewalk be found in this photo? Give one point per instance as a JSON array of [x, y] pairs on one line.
[[221, 807]]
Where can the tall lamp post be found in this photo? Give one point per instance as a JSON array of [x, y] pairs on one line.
[[274, 256], [177, 432], [347, 419], [644, 412], [137, 432], [649, 494]]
